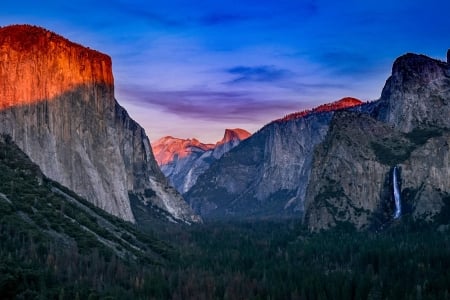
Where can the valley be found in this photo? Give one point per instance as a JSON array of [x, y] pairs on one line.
[[56, 245], [347, 200]]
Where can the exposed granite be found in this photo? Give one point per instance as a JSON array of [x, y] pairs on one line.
[[57, 103]]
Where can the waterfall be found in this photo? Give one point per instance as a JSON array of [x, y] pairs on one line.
[[396, 190]]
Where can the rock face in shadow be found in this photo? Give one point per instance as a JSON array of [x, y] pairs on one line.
[[231, 138], [266, 175], [57, 103], [334, 168], [416, 94], [409, 128], [351, 174], [337, 190]]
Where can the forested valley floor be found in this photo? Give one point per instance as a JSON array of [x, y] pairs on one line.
[[52, 248]]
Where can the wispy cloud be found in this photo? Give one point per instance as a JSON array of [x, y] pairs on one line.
[[209, 105], [270, 75], [259, 74]]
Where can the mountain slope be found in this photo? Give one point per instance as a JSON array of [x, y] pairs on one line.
[[54, 242], [231, 138], [351, 177], [57, 103], [183, 160], [168, 148], [333, 168], [265, 175], [57, 213]]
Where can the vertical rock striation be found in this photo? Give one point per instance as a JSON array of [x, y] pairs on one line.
[[416, 94], [181, 160], [347, 179], [231, 138], [266, 175], [57, 103], [409, 128]]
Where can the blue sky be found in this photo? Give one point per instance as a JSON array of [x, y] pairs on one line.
[[194, 68]]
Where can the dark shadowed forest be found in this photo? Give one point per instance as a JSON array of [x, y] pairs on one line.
[[44, 254]]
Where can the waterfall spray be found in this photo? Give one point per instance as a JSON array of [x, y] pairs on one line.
[[396, 190]]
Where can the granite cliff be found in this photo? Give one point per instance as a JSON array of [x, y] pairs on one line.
[[416, 94], [265, 175], [183, 160], [334, 164], [57, 103], [408, 127]]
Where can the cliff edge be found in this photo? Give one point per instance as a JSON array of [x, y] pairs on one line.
[[57, 103]]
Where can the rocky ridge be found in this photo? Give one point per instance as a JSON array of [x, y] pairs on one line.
[[57, 103], [334, 167], [408, 127], [265, 175], [416, 94], [183, 160]]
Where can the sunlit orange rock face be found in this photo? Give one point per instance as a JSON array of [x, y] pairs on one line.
[[234, 134], [184, 160], [168, 148], [346, 102], [57, 104], [36, 65]]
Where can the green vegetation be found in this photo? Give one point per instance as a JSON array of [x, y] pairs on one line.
[[55, 243], [50, 249], [391, 152], [396, 149], [420, 136], [267, 260]]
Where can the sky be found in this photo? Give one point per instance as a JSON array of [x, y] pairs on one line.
[[193, 68]]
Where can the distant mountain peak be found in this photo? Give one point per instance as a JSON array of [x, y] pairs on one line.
[[343, 103], [236, 134], [183, 160], [169, 148]]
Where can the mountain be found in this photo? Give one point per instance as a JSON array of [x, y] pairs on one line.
[[57, 103], [364, 165], [346, 102], [266, 175], [416, 94], [56, 243], [183, 160], [59, 214], [168, 149], [231, 138], [407, 128]]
